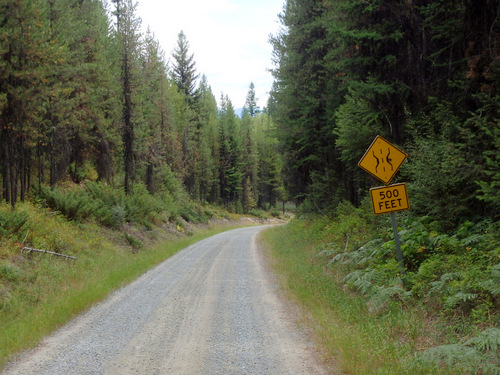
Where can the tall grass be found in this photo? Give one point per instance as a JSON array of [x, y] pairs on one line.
[[358, 340]]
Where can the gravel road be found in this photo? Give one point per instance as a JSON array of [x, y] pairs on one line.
[[213, 308]]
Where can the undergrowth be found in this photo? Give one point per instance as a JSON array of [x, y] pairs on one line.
[[451, 279], [111, 207]]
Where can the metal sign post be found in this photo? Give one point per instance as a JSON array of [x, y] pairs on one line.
[[382, 160], [399, 253]]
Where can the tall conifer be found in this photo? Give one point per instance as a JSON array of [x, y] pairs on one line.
[[128, 36], [184, 68]]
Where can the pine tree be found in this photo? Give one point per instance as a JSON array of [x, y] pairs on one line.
[[230, 155], [183, 70], [303, 107], [270, 186], [128, 36], [251, 101], [207, 146], [80, 115], [250, 162], [27, 55], [152, 107]]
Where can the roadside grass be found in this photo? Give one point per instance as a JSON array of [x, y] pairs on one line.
[[40, 292], [357, 340]]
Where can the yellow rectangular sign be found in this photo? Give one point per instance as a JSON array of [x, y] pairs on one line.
[[389, 199]]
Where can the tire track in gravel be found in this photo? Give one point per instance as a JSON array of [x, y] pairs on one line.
[[210, 309]]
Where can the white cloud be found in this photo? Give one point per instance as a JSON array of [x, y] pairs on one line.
[[229, 39]]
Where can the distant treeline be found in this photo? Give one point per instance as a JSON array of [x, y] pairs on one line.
[[85, 95]]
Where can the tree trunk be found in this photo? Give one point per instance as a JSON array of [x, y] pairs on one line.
[[128, 127], [150, 178]]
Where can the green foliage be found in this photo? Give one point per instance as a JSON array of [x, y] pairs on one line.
[[459, 271], [455, 273], [357, 125], [487, 133], [259, 213], [443, 167], [11, 222], [476, 355], [184, 72], [194, 213], [134, 242], [110, 207], [73, 204], [10, 272]]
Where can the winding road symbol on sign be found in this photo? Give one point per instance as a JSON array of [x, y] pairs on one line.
[[387, 158], [382, 159]]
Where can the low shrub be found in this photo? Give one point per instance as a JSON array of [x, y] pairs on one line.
[[11, 222], [110, 206]]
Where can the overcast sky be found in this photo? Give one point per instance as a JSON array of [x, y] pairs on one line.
[[229, 40]]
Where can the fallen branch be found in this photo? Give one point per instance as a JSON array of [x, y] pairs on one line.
[[48, 252]]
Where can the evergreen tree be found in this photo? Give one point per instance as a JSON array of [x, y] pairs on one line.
[[207, 143], [183, 70], [250, 162], [185, 77], [152, 106], [270, 186], [27, 56], [230, 155], [82, 91], [128, 37], [251, 101], [303, 107]]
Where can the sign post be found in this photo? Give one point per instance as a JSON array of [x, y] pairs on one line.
[[382, 160], [397, 241]]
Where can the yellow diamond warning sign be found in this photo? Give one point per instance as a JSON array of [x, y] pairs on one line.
[[390, 198], [382, 159]]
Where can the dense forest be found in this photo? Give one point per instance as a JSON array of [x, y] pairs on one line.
[[423, 74], [85, 96]]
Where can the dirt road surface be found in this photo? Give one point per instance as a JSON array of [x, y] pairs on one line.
[[213, 308]]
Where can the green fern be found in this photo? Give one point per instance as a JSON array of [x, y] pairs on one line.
[[384, 295], [441, 286], [457, 356], [362, 280], [492, 283], [478, 355], [487, 341], [362, 256], [459, 298]]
